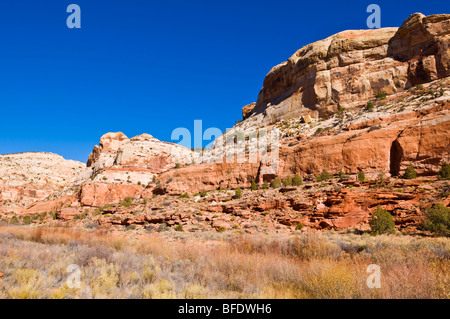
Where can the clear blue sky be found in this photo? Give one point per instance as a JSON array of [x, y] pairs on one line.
[[151, 66]]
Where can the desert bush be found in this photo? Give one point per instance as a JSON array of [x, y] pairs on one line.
[[444, 172], [179, 227], [319, 130], [437, 220], [361, 177], [276, 183], [238, 193], [203, 193], [287, 181], [410, 172], [127, 201], [380, 95], [370, 106], [185, 195], [382, 222], [324, 176], [254, 186], [27, 220], [297, 180], [14, 220]]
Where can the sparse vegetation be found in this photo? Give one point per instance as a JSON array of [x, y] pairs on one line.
[[437, 220], [14, 220], [243, 266], [254, 186], [444, 172], [297, 180], [127, 201], [410, 172], [324, 176], [361, 177], [382, 222], [319, 131], [370, 106], [238, 193], [380, 95], [203, 193], [287, 181], [276, 183], [265, 185]]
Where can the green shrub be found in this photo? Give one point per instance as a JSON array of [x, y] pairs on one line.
[[185, 195], [177, 165], [53, 215], [382, 222], [276, 183], [127, 202], [361, 177], [299, 226], [370, 106], [254, 186], [14, 220], [221, 229], [27, 220], [324, 176], [203, 193], [410, 172], [238, 193], [179, 227], [297, 181], [380, 95], [287, 181], [437, 220], [444, 172], [265, 185], [319, 130]]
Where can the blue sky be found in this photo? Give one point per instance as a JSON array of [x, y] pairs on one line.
[[151, 66]]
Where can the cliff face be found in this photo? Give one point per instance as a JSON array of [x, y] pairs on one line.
[[349, 68]]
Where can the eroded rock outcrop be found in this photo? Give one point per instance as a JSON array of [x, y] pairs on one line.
[[29, 177], [349, 68], [119, 159]]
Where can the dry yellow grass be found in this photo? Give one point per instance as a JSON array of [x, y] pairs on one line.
[[330, 265]]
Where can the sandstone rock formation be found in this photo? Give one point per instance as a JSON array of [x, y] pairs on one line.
[[349, 68], [119, 159], [318, 103], [29, 177]]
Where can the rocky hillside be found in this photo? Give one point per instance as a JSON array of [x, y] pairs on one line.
[[28, 177]]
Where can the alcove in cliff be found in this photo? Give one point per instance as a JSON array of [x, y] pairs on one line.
[[395, 158]]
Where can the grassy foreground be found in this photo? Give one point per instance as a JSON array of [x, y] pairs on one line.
[[35, 263]]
